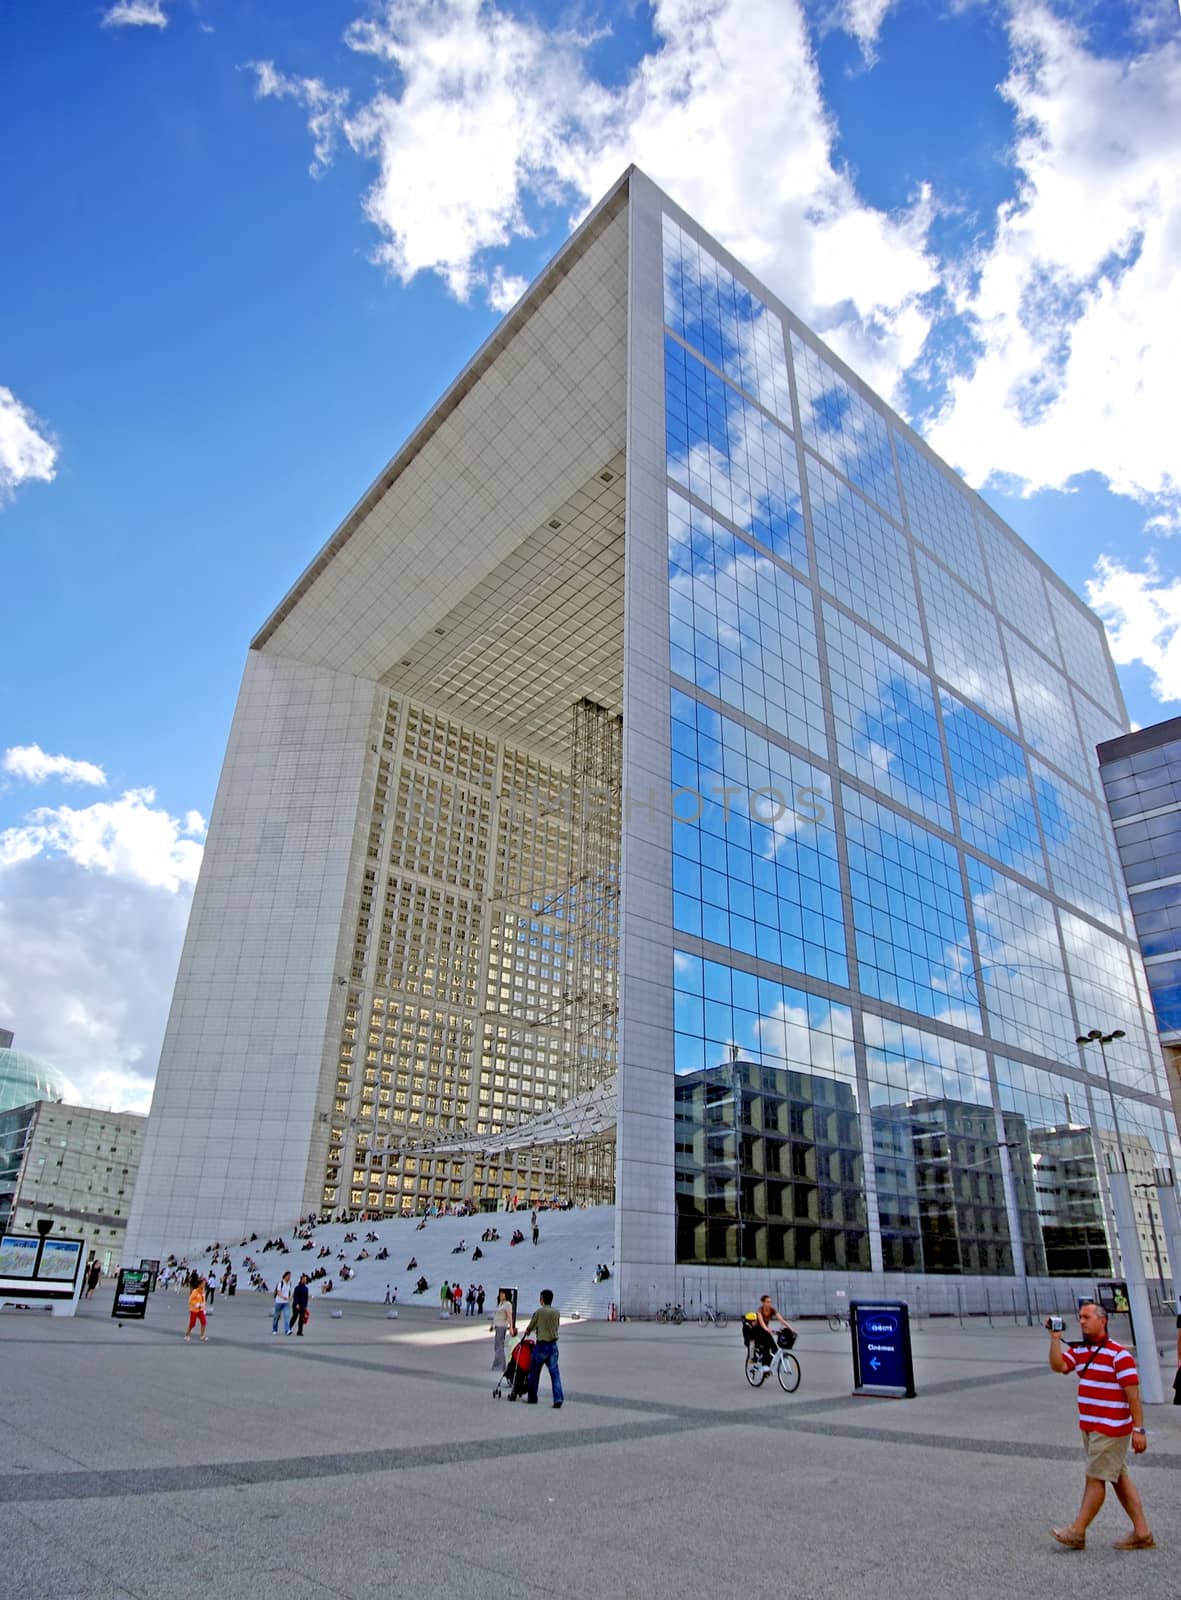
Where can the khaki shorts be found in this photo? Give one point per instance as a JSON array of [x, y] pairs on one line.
[[1106, 1457]]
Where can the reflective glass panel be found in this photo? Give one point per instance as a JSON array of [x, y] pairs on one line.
[[717, 315], [940, 515], [1096, 728], [1084, 649], [992, 789], [884, 709], [1066, 1157], [941, 1200], [1108, 997], [965, 641], [863, 560], [741, 627], [908, 908], [1046, 710], [1025, 986], [729, 454], [1078, 845], [754, 842], [844, 428], [1017, 587], [768, 1138]]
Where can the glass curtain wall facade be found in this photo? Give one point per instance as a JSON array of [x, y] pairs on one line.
[[1142, 782], [896, 899]]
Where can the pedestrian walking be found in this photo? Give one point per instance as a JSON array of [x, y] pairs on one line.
[[282, 1307], [95, 1273], [536, 1231], [299, 1304], [387, 1295], [471, 1299], [479, 1299], [544, 1325], [503, 1323], [197, 1310], [457, 1300], [1110, 1415]]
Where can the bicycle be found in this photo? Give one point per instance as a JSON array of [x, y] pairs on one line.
[[838, 1322], [670, 1313], [712, 1314], [784, 1365]]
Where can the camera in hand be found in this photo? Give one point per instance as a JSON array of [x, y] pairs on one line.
[[1055, 1325]]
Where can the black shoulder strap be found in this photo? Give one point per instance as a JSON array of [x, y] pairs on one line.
[[1092, 1356]]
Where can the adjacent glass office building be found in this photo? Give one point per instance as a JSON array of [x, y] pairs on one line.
[[1142, 781], [669, 731]]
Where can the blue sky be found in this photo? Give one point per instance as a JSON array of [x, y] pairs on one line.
[[246, 243]]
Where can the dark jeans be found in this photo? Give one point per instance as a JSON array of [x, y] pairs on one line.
[[297, 1316], [764, 1346], [545, 1355]]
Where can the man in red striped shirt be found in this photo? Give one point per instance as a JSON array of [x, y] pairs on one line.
[[1109, 1414]]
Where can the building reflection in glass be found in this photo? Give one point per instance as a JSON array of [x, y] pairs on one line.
[[770, 1142], [769, 1169]]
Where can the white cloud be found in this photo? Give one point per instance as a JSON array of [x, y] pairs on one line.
[[93, 906], [1075, 302], [30, 762], [325, 107], [128, 838], [862, 20], [1142, 612], [505, 289], [480, 117], [136, 14], [86, 979], [25, 452], [484, 114]]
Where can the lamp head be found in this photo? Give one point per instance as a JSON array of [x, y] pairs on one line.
[[1095, 1033], [44, 1226], [1083, 1038], [1116, 1033]]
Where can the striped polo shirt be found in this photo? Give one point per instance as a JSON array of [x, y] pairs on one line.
[[1102, 1398]]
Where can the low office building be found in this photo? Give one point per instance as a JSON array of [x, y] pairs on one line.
[[73, 1166]]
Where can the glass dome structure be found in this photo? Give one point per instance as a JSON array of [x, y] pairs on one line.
[[23, 1078]]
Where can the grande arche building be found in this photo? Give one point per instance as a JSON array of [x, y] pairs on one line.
[[671, 786]]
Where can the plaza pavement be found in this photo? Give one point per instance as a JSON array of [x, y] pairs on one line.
[[369, 1459]]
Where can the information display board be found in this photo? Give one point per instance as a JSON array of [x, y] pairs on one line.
[[37, 1271], [60, 1258], [18, 1255], [131, 1294], [152, 1267], [882, 1362], [1112, 1295]]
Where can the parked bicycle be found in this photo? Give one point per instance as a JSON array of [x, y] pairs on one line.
[[783, 1364], [712, 1314], [838, 1320], [670, 1313]]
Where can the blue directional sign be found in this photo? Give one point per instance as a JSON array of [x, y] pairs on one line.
[[882, 1362]]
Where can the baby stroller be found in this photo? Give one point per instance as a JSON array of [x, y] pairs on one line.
[[516, 1372]]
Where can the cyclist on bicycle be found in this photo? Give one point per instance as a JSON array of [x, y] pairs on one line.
[[763, 1338]]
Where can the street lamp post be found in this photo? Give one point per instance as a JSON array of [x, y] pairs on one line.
[[1128, 1236], [1097, 1036], [1160, 1266]]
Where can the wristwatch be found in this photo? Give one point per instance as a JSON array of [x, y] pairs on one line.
[[1144, 1431]]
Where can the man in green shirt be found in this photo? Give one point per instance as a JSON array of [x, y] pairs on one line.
[[544, 1322]]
